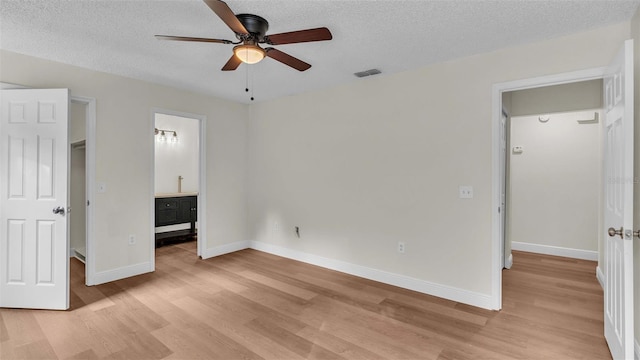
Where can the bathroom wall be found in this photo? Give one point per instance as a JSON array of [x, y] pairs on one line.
[[174, 159]]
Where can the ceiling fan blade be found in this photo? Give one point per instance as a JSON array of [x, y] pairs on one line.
[[232, 64], [287, 59], [196, 39], [317, 34], [224, 12]]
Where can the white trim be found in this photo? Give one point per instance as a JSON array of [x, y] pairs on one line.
[[555, 250], [403, 281], [496, 108], [600, 276], [509, 263], [226, 249], [202, 188], [90, 171], [121, 273], [202, 180]]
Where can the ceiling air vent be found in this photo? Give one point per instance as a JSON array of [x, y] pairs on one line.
[[368, 73]]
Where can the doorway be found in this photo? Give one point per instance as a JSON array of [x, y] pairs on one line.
[[554, 167], [82, 149], [498, 174], [179, 178]]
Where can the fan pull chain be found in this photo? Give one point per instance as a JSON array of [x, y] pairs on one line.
[[246, 87], [252, 82]]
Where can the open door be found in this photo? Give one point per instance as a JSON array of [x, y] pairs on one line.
[[34, 257], [618, 204]]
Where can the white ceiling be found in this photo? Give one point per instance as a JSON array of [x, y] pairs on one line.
[[117, 36]]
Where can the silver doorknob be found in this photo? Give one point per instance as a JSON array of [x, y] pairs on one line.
[[59, 210], [613, 232]]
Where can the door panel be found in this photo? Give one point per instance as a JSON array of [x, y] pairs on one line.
[[33, 182], [618, 204], [16, 168]]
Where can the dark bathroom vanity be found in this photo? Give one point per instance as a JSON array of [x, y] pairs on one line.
[[175, 209]]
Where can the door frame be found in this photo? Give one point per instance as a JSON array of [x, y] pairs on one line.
[[497, 239], [90, 168], [202, 179]]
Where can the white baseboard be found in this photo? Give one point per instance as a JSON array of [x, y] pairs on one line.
[[509, 262], [403, 281], [637, 349], [225, 249], [121, 273], [600, 276], [555, 250]]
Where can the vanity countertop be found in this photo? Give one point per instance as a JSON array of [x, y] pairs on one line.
[[171, 195]]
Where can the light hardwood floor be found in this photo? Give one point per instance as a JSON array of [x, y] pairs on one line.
[[252, 305]]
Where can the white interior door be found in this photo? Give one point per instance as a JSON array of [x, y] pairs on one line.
[[618, 209], [34, 257]]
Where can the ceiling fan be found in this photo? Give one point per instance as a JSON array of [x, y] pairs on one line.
[[251, 31]]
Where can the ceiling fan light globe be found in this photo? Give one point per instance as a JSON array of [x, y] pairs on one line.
[[249, 54]]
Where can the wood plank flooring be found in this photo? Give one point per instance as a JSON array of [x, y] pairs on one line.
[[253, 305]]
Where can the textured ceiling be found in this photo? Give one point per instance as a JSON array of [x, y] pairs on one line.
[[117, 37]]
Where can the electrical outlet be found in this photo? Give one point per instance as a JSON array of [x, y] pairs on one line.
[[466, 192], [401, 247], [132, 239]]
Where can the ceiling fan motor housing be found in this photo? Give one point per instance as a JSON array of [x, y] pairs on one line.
[[257, 27]]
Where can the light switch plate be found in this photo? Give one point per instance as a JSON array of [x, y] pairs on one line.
[[466, 192]]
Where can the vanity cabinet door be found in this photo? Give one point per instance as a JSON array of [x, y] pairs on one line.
[[184, 209], [166, 211], [176, 210]]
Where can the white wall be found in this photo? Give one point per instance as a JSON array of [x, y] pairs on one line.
[[124, 151], [555, 182], [177, 159], [77, 215], [559, 98], [364, 165], [77, 122]]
